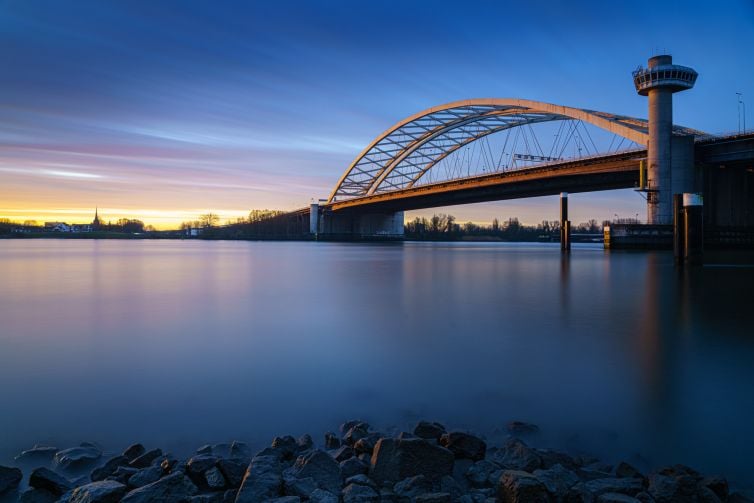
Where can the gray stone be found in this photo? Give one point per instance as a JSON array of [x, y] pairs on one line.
[[239, 450], [104, 471], [366, 444], [285, 447], [146, 459], [516, 486], [263, 480], [332, 441], [9, 478], [221, 450], [172, 488], [214, 479], [522, 428], [449, 485], [209, 498], [412, 486], [122, 474], [233, 470], [357, 493], [353, 466], [616, 498], [516, 455], [395, 459], [104, 491], [428, 430], [597, 487], [549, 458], [44, 478], [718, 485], [286, 499], [625, 470], [464, 445], [322, 496], [350, 424], [320, 466], [672, 488], [433, 498], [293, 486], [342, 453], [37, 454], [205, 450], [478, 474], [33, 495], [305, 442], [134, 451], [77, 457], [197, 466], [356, 433], [145, 476], [362, 480], [557, 479]]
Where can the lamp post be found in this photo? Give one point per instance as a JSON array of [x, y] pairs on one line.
[[741, 105]]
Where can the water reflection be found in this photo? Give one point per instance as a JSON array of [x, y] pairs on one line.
[[180, 343]]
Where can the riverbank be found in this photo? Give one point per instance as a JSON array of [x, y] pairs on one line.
[[429, 465]]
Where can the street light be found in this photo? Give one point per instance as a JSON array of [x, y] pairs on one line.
[[741, 105]]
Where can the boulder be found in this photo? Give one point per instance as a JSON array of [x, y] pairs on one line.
[[9, 478], [433, 498], [209, 498], [332, 441], [233, 470], [214, 480], [449, 485], [357, 493], [104, 471], [305, 442], [478, 474], [521, 428], [429, 431], [134, 451], [397, 459], [205, 450], [672, 487], [412, 486], [285, 447], [624, 470], [77, 457], [239, 450], [44, 478], [356, 433], [221, 450], [146, 459], [175, 487], [557, 479], [320, 466], [33, 495], [549, 458], [366, 444], [37, 454], [616, 498], [302, 488], [197, 466], [597, 487], [516, 486], [321, 496], [353, 466], [145, 476], [516, 455], [361, 479], [286, 499], [122, 474], [104, 491], [263, 480], [717, 485], [342, 453], [350, 424]]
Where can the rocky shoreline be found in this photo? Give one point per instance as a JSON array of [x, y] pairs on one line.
[[427, 465]]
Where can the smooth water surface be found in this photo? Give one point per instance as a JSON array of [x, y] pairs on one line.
[[179, 343]]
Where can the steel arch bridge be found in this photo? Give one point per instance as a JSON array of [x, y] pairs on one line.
[[402, 155]]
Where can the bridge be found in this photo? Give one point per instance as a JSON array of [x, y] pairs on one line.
[[419, 162]]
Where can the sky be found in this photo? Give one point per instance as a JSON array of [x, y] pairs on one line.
[[164, 110]]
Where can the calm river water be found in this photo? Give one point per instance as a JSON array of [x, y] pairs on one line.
[[180, 343]]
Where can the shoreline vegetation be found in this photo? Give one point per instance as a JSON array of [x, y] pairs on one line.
[[430, 464]]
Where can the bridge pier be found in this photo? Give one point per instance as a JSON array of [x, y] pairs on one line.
[[358, 226], [565, 224]]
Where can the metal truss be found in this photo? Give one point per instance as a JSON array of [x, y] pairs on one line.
[[403, 154]]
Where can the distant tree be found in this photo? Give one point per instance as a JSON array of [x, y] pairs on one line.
[[30, 223], [209, 220], [495, 225]]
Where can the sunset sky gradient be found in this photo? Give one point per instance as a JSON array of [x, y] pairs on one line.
[[166, 110]]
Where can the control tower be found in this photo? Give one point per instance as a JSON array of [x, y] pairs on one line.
[[665, 174]]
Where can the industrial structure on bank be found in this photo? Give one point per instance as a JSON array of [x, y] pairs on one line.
[[391, 174]]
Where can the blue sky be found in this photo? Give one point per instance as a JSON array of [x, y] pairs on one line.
[[164, 110]]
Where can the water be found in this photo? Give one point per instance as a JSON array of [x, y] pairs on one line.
[[179, 343]]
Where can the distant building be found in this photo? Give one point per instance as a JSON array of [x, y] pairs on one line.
[[96, 224], [57, 227], [81, 228]]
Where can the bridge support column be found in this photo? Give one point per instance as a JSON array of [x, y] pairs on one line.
[[355, 226], [565, 224], [693, 237]]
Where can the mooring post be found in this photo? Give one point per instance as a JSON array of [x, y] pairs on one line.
[[565, 224], [693, 237], [678, 226]]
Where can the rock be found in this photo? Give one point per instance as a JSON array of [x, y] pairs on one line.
[[320, 496], [32, 495], [557, 479], [516, 486], [549, 458], [286, 446], [433, 498], [213, 478], [597, 487], [350, 424], [739, 498], [478, 474], [396, 459], [9, 478], [717, 485], [37, 454], [286, 499], [145, 459], [616, 498], [197, 466], [105, 491], [332, 441], [412, 486], [171, 488], [343, 453], [305, 442], [44, 478], [464, 445], [362, 480], [134, 451], [322, 468], [233, 470], [673, 487], [77, 457], [356, 433], [516, 455], [357, 493], [221, 450], [404, 435], [366, 444], [449, 485], [145, 476], [239, 450], [303, 488], [521, 428], [263, 480], [625, 470], [209, 498], [122, 474], [108, 468], [205, 450], [353, 466], [429, 431]]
